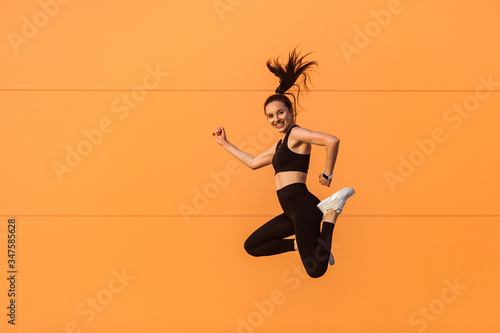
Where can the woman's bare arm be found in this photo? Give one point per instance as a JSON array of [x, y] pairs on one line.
[[253, 162], [330, 142]]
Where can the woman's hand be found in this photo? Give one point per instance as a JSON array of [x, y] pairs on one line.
[[324, 181], [220, 135]]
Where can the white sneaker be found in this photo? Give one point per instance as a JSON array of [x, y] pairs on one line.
[[336, 201]]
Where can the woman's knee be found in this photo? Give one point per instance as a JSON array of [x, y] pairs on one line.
[[313, 268], [249, 247], [316, 274]]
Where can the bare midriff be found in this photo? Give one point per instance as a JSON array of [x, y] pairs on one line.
[[285, 178]]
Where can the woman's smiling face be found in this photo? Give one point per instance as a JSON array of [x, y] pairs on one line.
[[279, 116]]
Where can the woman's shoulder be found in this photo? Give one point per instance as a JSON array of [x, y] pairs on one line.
[[298, 135], [298, 131]]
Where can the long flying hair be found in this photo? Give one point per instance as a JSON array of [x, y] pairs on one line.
[[288, 75]]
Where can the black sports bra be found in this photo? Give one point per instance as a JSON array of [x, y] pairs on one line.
[[286, 160]]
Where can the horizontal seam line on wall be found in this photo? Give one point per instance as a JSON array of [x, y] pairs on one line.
[[247, 90], [223, 216]]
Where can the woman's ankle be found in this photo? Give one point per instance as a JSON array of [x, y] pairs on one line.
[[330, 216]]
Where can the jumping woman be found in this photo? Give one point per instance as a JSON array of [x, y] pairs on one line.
[[304, 216]]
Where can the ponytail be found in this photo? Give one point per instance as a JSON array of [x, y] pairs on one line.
[[288, 75]]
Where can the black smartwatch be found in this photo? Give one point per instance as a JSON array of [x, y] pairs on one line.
[[326, 176]]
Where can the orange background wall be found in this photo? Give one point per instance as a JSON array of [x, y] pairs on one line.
[[157, 202]]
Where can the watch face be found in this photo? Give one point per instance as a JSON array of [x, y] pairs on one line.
[[325, 176]]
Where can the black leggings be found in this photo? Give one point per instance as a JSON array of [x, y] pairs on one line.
[[301, 218]]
